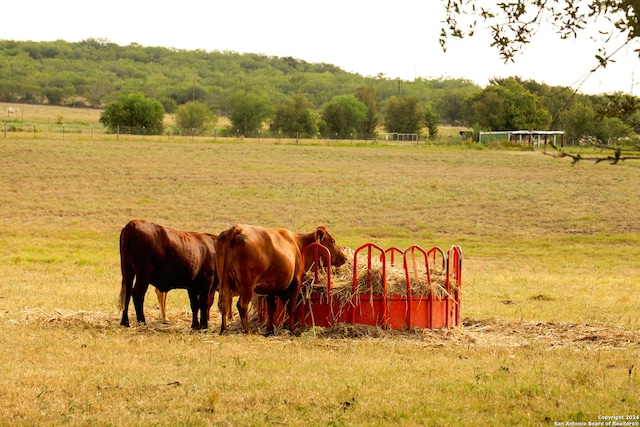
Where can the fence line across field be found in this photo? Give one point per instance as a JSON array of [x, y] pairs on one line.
[[72, 131]]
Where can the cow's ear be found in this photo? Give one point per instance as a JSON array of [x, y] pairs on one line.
[[319, 234]]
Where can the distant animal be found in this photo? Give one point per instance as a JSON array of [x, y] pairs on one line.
[[162, 304], [12, 111], [267, 261], [168, 259]]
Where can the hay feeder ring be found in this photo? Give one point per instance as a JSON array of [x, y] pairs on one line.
[[414, 288]]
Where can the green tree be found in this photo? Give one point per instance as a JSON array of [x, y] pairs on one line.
[[451, 105], [431, 120], [578, 122], [369, 97], [556, 100], [507, 105], [95, 89], [169, 104], [404, 115], [620, 105], [344, 115], [54, 95], [135, 113], [293, 116], [247, 112], [634, 121], [194, 118], [610, 130]]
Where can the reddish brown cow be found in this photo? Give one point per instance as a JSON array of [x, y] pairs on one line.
[[168, 259], [266, 261]]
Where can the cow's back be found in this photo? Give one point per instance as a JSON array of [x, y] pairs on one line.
[[141, 245], [170, 258]]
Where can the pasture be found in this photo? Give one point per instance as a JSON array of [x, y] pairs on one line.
[[550, 286]]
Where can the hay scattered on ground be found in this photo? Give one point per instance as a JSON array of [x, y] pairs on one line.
[[474, 333]]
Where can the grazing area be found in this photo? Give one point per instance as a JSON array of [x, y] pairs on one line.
[[551, 325]]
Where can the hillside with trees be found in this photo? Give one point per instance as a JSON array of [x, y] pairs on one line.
[[289, 95]]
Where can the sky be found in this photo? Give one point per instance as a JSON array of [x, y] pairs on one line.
[[398, 39]]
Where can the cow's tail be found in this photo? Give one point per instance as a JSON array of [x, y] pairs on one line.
[[223, 268], [124, 244]]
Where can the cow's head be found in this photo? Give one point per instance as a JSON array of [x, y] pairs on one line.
[[322, 236]]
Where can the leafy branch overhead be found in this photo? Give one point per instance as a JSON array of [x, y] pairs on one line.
[[618, 155], [612, 25], [513, 24], [618, 107]]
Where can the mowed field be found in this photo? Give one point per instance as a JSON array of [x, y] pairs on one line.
[[550, 297]]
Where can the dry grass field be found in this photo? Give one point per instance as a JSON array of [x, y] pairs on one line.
[[551, 328], [48, 119]]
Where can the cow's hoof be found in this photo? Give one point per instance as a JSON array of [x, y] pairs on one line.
[[199, 327]]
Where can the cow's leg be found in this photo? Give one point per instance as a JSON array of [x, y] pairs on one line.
[[211, 295], [271, 312], [243, 308], [203, 301], [210, 300], [223, 294], [162, 303], [294, 291], [138, 293], [127, 285], [195, 306]]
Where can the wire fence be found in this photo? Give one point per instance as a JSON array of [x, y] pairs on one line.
[[21, 130]]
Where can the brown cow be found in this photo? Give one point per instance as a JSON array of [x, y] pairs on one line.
[[168, 259], [266, 261]]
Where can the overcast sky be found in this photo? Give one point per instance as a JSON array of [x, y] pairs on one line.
[[396, 38]]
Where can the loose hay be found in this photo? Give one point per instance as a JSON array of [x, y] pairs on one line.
[[481, 333], [369, 280]]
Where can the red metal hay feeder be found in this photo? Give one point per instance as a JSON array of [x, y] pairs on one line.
[[438, 308]]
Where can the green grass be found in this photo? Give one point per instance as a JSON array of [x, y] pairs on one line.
[[545, 246]]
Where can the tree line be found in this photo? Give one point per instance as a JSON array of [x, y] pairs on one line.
[[260, 93]]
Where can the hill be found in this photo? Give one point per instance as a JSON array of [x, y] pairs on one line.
[[93, 72]]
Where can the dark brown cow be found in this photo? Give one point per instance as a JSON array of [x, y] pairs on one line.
[[168, 259], [266, 261]]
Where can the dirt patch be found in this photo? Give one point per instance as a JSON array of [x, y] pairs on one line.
[[485, 333]]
